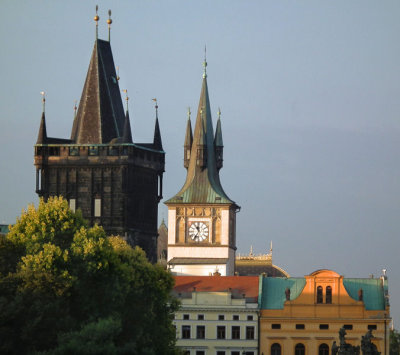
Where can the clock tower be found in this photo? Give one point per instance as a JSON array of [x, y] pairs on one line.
[[201, 217]]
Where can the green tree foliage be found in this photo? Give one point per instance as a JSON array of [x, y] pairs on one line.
[[394, 340], [67, 288]]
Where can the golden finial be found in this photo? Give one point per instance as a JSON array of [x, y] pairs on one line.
[[188, 113], [109, 22], [205, 62], [219, 113], [96, 19], [126, 98], [118, 72], [43, 100], [156, 106]]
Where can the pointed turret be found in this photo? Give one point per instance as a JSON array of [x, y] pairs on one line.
[[157, 142], [100, 116], [42, 136], [188, 142], [218, 143], [202, 181], [127, 136]]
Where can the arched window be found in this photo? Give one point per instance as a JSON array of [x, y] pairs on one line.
[[276, 349], [323, 349], [299, 349], [328, 297], [320, 298]]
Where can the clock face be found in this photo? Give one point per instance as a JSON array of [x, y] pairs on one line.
[[198, 231]]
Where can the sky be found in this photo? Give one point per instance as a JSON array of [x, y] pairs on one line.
[[309, 94]]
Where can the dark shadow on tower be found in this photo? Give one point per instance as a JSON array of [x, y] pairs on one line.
[[115, 182]]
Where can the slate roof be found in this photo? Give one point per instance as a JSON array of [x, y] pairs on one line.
[[202, 183], [100, 117]]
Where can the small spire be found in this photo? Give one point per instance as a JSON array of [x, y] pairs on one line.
[[219, 113], [189, 113], [126, 98], [96, 19], [205, 62], [157, 142], [42, 135], [251, 250], [127, 134], [75, 108], [43, 101], [109, 22]]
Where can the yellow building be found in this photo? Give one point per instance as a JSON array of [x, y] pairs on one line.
[[303, 315]]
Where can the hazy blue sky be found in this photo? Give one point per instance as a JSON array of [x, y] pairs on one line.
[[309, 93]]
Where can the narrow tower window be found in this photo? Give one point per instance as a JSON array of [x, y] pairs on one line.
[[97, 207], [328, 297], [320, 298]]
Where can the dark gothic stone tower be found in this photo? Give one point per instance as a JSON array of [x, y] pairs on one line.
[[115, 182]]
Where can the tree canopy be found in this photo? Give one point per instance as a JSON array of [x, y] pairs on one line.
[[67, 288]]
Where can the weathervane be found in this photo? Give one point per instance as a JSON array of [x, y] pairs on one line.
[[126, 98], [205, 62], [109, 22], [96, 19], [156, 106], [188, 113], [43, 100], [219, 113]]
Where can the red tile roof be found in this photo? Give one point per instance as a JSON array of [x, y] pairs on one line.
[[238, 285]]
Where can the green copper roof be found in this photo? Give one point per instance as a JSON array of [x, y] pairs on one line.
[[273, 291], [373, 292], [202, 183]]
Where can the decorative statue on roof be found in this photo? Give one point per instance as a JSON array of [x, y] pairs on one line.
[[344, 348], [367, 346]]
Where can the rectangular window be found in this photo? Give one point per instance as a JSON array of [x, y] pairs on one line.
[[250, 332], [200, 316], [300, 326], [97, 207], [73, 151], [221, 317], [200, 332], [324, 326], [185, 331], [348, 326], [235, 317], [235, 332], [200, 352], [220, 352], [275, 326], [235, 352], [220, 332], [249, 317], [186, 317], [72, 204], [371, 326]]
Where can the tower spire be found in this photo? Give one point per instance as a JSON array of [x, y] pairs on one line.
[[42, 135], [218, 143], [96, 19], [127, 134], [188, 141], [157, 134]]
